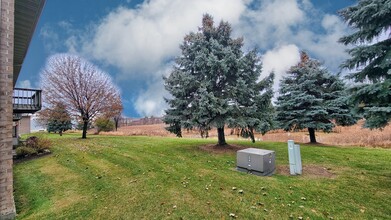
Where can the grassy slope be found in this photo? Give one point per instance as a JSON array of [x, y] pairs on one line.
[[157, 178]]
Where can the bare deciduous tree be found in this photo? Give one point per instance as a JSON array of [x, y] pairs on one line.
[[86, 90], [116, 112]]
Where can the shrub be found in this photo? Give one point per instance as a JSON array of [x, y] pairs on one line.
[[33, 145], [43, 144], [24, 151], [104, 124], [32, 142]]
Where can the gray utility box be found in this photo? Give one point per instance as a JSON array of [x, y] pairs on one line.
[[257, 161]]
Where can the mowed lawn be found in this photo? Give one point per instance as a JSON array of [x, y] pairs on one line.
[[120, 177]]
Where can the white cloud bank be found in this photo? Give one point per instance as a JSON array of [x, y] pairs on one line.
[[279, 60], [141, 41]]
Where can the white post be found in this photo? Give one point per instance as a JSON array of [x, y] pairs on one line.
[[295, 166], [291, 153], [298, 168]]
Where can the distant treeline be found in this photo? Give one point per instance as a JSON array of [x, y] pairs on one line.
[[140, 121]]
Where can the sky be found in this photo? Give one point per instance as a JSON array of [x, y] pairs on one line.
[[135, 41]]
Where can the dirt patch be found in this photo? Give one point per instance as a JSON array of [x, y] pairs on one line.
[[311, 171], [218, 149]]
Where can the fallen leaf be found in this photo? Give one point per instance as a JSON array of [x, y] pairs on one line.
[[232, 215]]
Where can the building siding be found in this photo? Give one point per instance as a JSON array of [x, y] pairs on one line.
[[25, 125], [7, 206]]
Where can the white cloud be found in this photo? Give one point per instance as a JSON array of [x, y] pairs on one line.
[[144, 38], [24, 84], [54, 43], [50, 38], [325, 46], [282, 22], [271, 22], [150, 102], [279, 60]]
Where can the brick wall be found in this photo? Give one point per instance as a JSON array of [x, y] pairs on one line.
[[7, 206]]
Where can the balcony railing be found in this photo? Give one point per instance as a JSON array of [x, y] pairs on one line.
[[26, 100]]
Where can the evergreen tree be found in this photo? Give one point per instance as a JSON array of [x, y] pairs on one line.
[[252, 107], [370, 59], [312, 98], [59, 119], [213, 84], [104, 124]]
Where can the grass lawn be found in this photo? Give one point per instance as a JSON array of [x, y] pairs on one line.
[[107, 177]]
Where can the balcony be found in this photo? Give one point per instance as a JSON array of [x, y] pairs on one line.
[[26, 100]]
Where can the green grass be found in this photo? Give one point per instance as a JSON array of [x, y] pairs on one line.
[[166, 178]]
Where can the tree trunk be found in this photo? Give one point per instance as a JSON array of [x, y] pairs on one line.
[[60, 132], [85, 126], [251, 131], [221, 136], [116, 123], [312, 135]]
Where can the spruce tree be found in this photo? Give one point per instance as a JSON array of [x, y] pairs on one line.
[[370, 59], [312, 98], [214, 84], [59, 119]]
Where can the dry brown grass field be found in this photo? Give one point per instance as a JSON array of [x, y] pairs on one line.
[[341, 136]]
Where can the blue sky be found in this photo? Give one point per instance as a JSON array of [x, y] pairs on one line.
[[135, 41]]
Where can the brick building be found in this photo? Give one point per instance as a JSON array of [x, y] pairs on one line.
[[17, 25]]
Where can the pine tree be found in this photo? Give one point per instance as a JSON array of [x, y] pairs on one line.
[[312, 98], [213, 84], [370, 59], [252, 107], [59, 119]]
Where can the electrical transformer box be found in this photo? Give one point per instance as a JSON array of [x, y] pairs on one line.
[[257, 161]]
